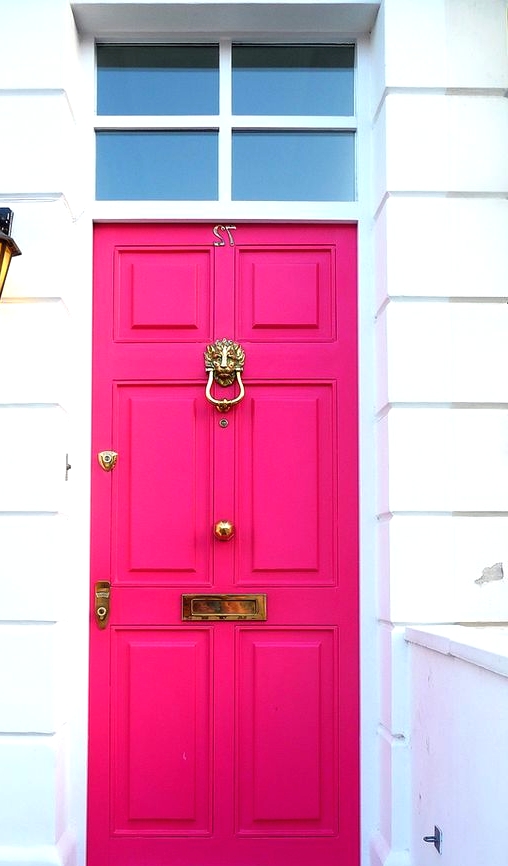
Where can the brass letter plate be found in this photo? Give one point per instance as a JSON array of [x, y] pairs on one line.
[[224, 607]]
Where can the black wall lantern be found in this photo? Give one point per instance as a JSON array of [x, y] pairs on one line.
[[8, 247]]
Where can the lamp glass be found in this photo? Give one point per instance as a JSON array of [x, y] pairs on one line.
[[5, 260]]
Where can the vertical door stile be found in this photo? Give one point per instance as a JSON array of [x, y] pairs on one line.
[[224, 436], [223, 551], [100, 527]]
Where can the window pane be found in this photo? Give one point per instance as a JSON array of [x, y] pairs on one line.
[[293, 166], [293, 79], [157, 79], [157, 165]]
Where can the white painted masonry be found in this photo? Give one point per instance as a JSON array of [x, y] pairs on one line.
[[463, 672], [433, 218], [439, 198]]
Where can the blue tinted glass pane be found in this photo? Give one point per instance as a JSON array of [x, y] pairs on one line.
[[157, 165], [293, 79], [294, 166], [157, 79]]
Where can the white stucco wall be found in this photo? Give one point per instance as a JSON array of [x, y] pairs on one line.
[[440, 182], [44, 414], [433, 181], [459, 761]]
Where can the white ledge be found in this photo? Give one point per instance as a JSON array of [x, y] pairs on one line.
[[158, 19], [483, 646]]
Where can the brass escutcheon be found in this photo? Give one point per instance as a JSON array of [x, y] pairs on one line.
[[107, 460]]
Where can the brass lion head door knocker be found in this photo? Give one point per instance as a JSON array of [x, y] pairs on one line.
[[224, 362]]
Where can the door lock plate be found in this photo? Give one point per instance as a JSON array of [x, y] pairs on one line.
[[102, 598]]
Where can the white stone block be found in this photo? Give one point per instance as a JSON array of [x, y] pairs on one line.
[[394, 800], [418, 139], [31, 675], [415, 43], [443, 568], [43, 148], [39, 375], [37, 855], [32, 458], [442, 247], [446, 143], [476, 44], [379, 159], [33, 577], [395, 678], [31, 782], [39, 47], [381, 251], [445, 43], [445, 460], [414, 459], [444, 352], [383, 598], [382, 468], [47, 237], [378, 59]]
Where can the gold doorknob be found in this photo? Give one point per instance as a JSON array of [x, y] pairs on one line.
[[223, 530]]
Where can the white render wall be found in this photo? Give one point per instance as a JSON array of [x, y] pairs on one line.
[[459, 724], [44, 414], [440, 186]]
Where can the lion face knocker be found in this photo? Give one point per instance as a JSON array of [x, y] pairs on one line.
[[224, 362]]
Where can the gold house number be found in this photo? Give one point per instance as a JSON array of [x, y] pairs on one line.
[[217, 230]]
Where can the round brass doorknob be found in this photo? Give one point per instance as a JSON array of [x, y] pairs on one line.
[[223, 530]]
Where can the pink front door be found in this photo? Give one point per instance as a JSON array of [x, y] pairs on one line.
[[225, 742]]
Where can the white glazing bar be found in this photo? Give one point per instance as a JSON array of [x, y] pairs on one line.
[[180, 121], [225, 84], [211, 121]]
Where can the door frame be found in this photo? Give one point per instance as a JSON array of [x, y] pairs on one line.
[[359, 212]]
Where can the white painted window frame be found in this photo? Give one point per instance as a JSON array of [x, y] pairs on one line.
[[225, 123]]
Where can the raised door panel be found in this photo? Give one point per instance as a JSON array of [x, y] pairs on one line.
[[286, 485], [161, 732], [162, 293], [161, 496], [287, 727], [285, 293]]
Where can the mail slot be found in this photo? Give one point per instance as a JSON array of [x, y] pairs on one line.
[[224, 607]]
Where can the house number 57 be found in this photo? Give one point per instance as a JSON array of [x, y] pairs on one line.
[[217, 230]]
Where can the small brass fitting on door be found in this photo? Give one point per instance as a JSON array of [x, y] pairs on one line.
[[223, 530], [107, 460], [102, 598]]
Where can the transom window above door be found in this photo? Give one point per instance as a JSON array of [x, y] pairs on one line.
[[228, 122]]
